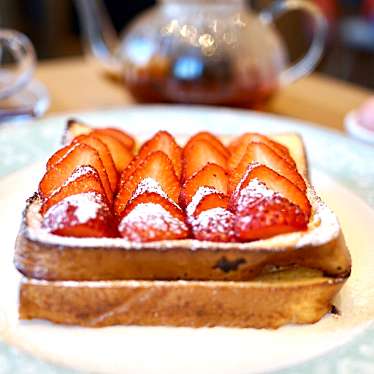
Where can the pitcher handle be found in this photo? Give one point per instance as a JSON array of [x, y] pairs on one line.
[[313, 55], [23, 53]]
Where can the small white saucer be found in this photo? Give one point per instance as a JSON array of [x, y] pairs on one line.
[[357, 131]]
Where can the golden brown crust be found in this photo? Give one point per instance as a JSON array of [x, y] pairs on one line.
[[260, 304], [94, 263], [117, 259], [73, 129]]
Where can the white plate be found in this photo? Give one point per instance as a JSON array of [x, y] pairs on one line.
[[216, 350]]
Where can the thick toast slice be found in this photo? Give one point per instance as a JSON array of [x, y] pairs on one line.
[[44, 256], [290, 278], [270, 301]]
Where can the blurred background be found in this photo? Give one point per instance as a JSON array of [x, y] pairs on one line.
[[54, 29]]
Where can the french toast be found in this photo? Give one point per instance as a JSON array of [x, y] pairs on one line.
[[287, 278]]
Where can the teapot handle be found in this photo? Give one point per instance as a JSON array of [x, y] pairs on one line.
[[313, 55]]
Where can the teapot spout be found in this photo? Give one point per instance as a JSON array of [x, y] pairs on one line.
[[100, 38]]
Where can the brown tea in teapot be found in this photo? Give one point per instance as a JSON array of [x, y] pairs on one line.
[[194, 80]]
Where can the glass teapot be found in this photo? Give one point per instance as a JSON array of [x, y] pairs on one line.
[[201, 51]]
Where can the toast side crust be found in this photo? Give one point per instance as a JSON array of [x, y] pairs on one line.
[[268, 302], [40, 255]]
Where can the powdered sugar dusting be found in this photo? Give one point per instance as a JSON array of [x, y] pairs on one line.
[[71, 149], [200, 193], [152, 218], [218, 218], [250, 167], [149, 185], [322, 228], [77, 173], [259, 188], [86, 207], [254, 192]]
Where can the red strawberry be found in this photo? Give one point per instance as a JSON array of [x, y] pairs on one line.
[[211, 175], [81, 215], [77, 155], [156, 166], [254, 137], [83, 179], [100, 147], [273, 181], [209, 218], [58, 156], [261, 153], [210, 138], [198, 154], [239, 146], [104, 154], [267, 204], [122, 156], [211, 201], [161, 141], [75, 128], [156, 198], [268, 216], [152, 217], [215, 225], [127, 140]]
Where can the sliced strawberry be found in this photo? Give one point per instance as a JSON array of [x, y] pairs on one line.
[[239, 146], [161, 141], [156, 198], [130, 169], [83, 179], [81, 215], [254, 137], [198, 154], [261, 153], [210, 138], [215, 225], [75, 128], [268, 216], [273, 181], [127, 140], [152, 217], [58, 156], [209, 217], [156, 166], [77, 155], [211, 175], [211, 201], [104, 154], [122, 156]]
